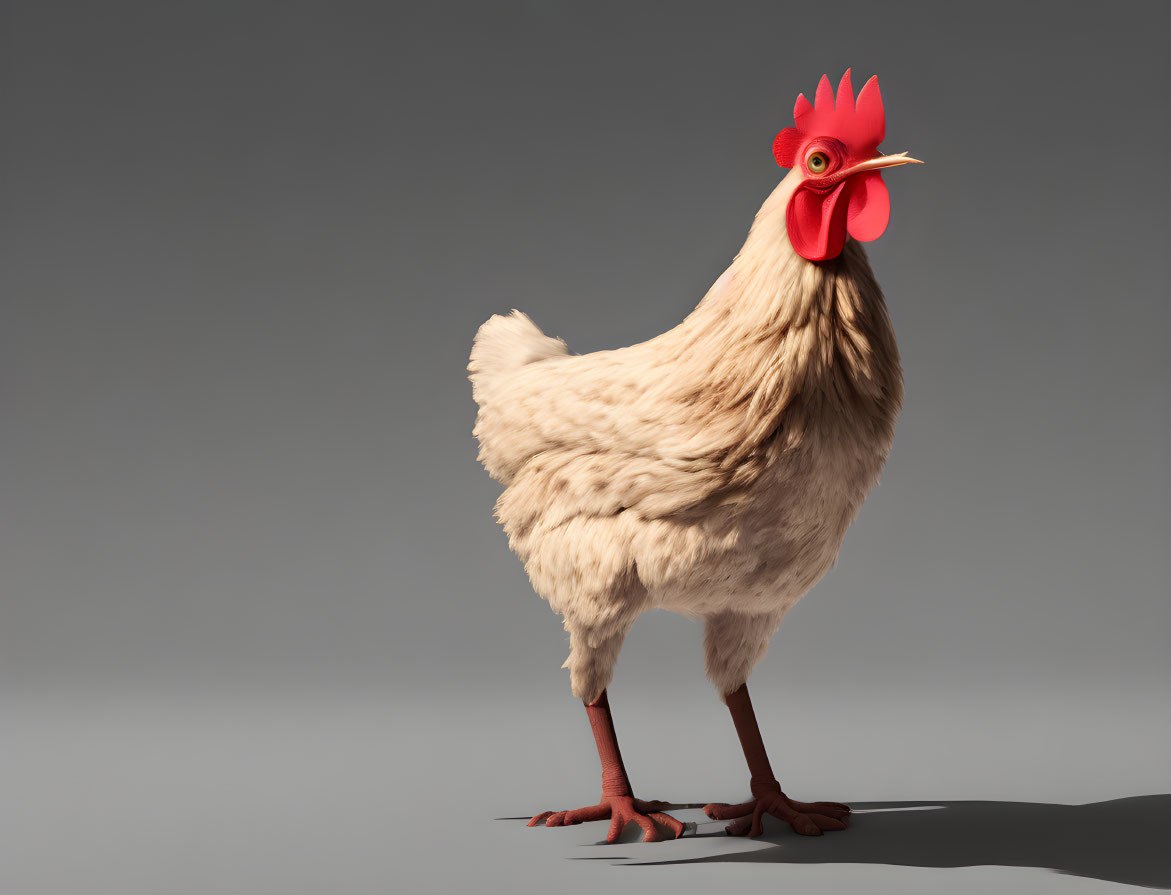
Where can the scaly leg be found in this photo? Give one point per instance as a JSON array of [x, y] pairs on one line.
[[618, 802], [807, 818]]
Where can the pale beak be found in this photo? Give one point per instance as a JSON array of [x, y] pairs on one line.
[[882, 161]]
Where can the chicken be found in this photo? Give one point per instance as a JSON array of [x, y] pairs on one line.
[[714, 469]]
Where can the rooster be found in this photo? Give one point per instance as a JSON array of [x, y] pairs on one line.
[[714, 469]]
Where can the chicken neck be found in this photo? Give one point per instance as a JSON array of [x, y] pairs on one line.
[[780, 343]]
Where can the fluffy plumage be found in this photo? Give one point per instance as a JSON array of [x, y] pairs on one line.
[[712, 470]]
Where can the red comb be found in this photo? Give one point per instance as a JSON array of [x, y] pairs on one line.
[[860, 124]]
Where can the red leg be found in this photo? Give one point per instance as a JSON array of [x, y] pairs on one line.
[[807, 818], [618, 802]]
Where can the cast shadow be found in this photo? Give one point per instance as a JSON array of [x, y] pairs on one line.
[[1123, 841]]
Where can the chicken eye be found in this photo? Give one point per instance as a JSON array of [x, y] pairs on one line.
[[817, 163]]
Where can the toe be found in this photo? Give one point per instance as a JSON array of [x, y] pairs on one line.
[[593, 812], [724, 811], [739, 827], [539, 818], [824, 807], [804, 825], [841, 812], [757, 827], [650, 834], [827, 809], [826, 823], [556, 819], [675, 826], [616, 825]]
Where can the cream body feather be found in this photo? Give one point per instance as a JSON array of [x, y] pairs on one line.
[[712, 470]]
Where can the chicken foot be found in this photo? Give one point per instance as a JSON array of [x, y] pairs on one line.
[[618, 802], [807, 818]]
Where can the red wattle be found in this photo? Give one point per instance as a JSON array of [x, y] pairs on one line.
[[816, 221]]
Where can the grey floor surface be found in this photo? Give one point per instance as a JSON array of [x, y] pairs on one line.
[[344, 794]]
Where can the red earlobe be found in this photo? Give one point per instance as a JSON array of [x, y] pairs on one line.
[[869, 208]]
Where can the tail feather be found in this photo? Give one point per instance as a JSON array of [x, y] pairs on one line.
[[504, 343]]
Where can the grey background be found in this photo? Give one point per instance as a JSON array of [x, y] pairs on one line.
[[260, 632]]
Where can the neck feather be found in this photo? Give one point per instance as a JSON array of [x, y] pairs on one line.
[[780, 344]]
